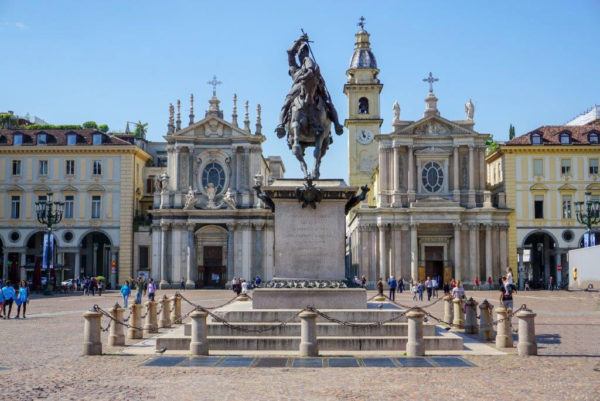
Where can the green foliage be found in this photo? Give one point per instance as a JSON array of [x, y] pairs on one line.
[[491, 145], [103, 127], [5, 120], [90, 124], [511, 132], [140, 130], [50, 126]]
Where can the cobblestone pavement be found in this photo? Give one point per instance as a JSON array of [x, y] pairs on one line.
[[42, 357]]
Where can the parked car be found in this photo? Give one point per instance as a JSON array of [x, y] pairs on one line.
[[67, 283]]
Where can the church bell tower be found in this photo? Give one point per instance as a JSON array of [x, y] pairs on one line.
[[364, 121]]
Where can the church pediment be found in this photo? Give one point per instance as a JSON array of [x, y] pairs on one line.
[[211, 127], [433, 151], [567, 188], [538, 187], [435, 126]]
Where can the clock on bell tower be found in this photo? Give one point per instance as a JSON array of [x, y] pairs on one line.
[[363, 90]]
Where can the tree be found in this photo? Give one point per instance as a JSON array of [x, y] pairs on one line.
[[90, 124], [140, 130], [103, 127], [491, 145], [511, 132]]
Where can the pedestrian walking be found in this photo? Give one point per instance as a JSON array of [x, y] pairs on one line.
[[477, 283], [100, 287], [490, 282], [364, 281], [9, 294], [151, 290], [551, 283], [506, 295], [22, 298], [429, 287], [401, 285], [244, 287], [125, 291], [434, 286], [380, 287], [1, 302], [420, 289], [257, 281], [140, 290], [392, 283], [93, 285], [446, 288], [413, 290], [458, 292], [182, 284]]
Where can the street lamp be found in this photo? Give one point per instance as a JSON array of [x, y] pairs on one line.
[[49, 213], [588, 214]]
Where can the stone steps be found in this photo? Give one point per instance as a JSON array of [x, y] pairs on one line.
[[284, 315], [448, 341], [323, 330]]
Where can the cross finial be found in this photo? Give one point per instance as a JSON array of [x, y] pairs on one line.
[[214, 82], [430, 79], [361, 23]]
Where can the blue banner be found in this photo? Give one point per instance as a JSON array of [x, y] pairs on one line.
[[45, 247]]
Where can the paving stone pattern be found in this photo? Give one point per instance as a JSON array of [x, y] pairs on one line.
[[42, 360]]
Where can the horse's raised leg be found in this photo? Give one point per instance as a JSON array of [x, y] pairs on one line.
[[298, 151]]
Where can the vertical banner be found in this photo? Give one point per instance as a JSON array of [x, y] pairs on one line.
[[45, 252], [586, 239], [51, 250]]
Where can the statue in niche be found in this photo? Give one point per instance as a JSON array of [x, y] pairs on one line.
[[211, 193], [229, 199], [396, 109], [164, 183], [156, 184], [190, 199], [470, 110]]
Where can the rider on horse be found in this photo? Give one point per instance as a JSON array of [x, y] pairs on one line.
[[308, 87]]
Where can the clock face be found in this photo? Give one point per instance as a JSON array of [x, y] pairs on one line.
[[364, 136]]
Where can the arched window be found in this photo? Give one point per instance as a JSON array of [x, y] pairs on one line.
[[593, 138], [363, 105], [214, 174], [565, 138], [432, 177], [536, 139]]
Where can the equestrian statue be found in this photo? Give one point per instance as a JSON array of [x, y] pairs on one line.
[[308, 111]]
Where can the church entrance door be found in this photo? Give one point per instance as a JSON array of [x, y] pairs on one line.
[[434, 261], [214, 271]]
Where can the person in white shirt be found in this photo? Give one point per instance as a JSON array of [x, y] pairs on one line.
[[244, 287]]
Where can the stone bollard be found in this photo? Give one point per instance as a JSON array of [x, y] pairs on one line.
[[458, 320], [92, 345], [486, 329], [199, 343], [165, 320], [176, 309], [116, 336], [243, 297], [134, 331], [471, 317], [415, 345], [150, 324], [527, 344], [503, 334], [308, 334], [448, 315]]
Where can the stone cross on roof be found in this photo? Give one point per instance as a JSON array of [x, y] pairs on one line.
[[214, 84], [430, 79], [361, 23]]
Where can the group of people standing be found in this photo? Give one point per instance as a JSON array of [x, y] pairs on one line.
[[142, 288], [10, 295]]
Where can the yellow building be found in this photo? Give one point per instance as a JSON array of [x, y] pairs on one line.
[[540, 175], [97, 175]]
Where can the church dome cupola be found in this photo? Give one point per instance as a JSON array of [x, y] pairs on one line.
[[362, 57]]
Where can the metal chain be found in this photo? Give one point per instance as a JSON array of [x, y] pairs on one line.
[[407, 306], [98, 309], [211, 308], [351, 324]]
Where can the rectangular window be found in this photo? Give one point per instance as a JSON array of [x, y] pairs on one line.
[[96, 206], [593, 166], [72, 139], [143, 258], [97, 139], [565, 166], [43, 167], [69, 167], [150, 184], [16, 167], [42, 139], [567, 207], [69, 202], [97, 167], [18, 140], [538, 167], [538, 205], [15, 207]]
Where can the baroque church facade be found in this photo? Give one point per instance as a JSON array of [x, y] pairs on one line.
[[208, 226], [430, 213]]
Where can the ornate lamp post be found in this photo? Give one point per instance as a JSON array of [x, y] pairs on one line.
[[588, 214], [49, 213]]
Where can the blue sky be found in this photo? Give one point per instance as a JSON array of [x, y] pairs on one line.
[[528, 63]]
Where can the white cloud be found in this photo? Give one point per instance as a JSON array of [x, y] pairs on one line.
[[17, 24]]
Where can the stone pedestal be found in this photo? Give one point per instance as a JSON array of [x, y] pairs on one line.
[[471, 317], [415, 345], [458, 320], [134, 332], [117, 332], [151, 322], [165, 315], [527, 344], [199, 343], [299, 298], [176, 309], [503, 335], [486, 329], [308, 334], [448, 309], [91, 333]]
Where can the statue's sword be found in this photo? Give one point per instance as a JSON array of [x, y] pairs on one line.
[[308, 42]]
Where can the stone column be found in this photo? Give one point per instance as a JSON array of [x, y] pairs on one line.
[[383, 176], [246, 249], [176, 309], [458, 263], [94, 260], [234, 169], [5, 265], [135, 321], [397, 250], [155, 268], [503, 336], [308, 334], [415, 346], [396, 174], [458, 319], [230, 251], [448, 309], [117, 335], [486, 329], [268, 253], [558, 272], [199, 343], [411, 175], [471, 202], [165, 313], [151, 322], [163, 255], [190, 257], [503, 248], [520, 268], [455, 170], [471, 317], [77, 272], [527, 344], [488, 252], [482, 177], [383, 252], [373, 253], [414, 253], [473, 245], [92, 344]]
